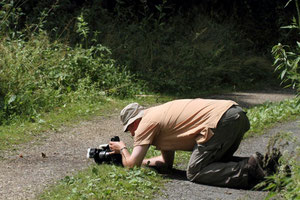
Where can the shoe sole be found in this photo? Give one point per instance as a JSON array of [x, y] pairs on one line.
[[255, 156]]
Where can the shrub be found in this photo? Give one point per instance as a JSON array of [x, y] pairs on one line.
[[38, 75], [287, 57]]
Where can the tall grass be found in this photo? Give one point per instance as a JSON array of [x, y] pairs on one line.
[[38, 75]]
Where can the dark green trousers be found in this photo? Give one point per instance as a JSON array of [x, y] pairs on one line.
[[213, 163]]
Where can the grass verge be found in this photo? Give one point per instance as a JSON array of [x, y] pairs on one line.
[[267, 115], [107, 182]]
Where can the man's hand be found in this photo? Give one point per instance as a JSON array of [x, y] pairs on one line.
[[115, 147]]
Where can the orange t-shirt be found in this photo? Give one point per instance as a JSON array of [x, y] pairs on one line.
[[179, 124]]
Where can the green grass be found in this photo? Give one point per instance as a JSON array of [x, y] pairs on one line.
[[267, 115], [107, 182]]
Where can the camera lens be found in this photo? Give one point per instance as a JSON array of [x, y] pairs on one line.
[[103, 155]]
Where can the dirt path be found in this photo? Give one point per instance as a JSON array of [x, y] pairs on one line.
[[26, 172]]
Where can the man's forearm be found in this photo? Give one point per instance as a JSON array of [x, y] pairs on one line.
[[126, 158], [135, 158]]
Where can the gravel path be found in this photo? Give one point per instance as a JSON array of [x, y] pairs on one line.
[[27, 171]]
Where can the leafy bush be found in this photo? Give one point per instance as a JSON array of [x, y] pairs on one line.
[[287, 58], [38, 75], [287, 62]]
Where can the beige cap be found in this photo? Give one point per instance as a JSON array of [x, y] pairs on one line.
[[130, 113]]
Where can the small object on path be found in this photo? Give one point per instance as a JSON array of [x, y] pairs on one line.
[[44, 155]]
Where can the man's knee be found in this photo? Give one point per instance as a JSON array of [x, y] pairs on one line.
[[191, 174]]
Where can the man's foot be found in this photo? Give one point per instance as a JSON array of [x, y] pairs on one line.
[[271, 161], [272, 164], [255, 170]]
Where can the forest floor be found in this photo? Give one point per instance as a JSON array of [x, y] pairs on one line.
[[30, 168]]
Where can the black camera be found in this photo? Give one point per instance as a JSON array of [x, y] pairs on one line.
[[102, 154]]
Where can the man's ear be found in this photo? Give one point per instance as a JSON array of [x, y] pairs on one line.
[[136, 123], [129, 127]]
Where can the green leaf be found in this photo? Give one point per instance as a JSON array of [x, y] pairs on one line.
[[289, 27], [95, 170], [270, 195], [159, 8], [288, 3], [12, 99], [295, 64]]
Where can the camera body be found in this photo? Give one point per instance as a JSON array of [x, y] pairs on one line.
[[102, 154]]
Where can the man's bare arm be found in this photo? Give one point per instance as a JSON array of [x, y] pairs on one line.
[[136, 157]]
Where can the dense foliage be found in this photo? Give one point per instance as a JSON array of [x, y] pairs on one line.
[[188, 56], [175, 47], [287, 57], [37, 75]]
